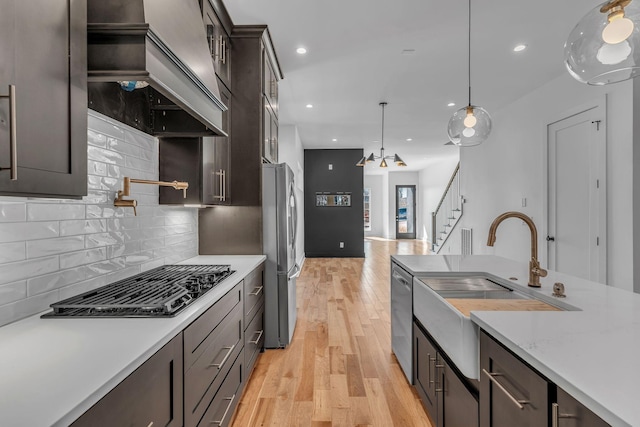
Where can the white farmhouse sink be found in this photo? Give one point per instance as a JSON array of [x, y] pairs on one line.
[[456, 334]]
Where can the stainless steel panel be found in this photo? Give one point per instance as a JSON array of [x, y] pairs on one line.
[[401, 318], [461, 283]]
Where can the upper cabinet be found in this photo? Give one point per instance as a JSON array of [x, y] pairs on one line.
[[218, 26], [47, 145], [270, 83]]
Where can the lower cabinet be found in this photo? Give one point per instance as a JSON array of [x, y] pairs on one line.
[[447, 398], [198, 377], [568, 412], [150, 396], [514, 394]]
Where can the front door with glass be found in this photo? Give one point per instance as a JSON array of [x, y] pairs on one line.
[[405, 211]]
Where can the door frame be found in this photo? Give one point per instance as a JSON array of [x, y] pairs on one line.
[[415, 213], [596, 103]]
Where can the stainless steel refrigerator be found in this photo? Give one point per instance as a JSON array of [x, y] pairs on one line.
[[279, 228]]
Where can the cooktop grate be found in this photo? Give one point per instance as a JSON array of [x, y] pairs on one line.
[[160, 292]]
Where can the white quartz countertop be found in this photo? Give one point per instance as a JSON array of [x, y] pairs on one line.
[[53, 370], [593, 353]]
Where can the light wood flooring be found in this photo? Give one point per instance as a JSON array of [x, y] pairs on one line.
[[339, 370]]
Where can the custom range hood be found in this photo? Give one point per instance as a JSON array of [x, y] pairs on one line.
[[161, 47]]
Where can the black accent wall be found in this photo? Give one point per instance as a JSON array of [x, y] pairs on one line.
[[325, 227]]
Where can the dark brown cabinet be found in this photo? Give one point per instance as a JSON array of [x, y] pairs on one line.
[[218, 26], [50, 102], [568, 412], [202, 162], [448, 400], [253, 317], [151, 395], [511, 393]]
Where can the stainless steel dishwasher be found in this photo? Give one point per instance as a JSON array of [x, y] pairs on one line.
[[402, 318]]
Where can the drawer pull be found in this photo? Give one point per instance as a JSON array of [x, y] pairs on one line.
[[13, 141], [257, 339], [491, 376], [224, 360], [256, 291], [556, 415], [150, 424], [226, 411]]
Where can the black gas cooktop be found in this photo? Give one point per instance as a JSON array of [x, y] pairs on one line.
[[161, 292]]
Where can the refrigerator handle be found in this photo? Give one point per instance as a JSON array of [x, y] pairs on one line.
[[296, 272], [295, 213]]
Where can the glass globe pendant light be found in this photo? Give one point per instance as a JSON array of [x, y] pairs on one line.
[[605, 45], [470, 125]]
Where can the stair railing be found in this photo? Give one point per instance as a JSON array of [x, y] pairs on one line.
[[448, 212]]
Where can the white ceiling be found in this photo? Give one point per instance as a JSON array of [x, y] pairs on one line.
[[355, 60]]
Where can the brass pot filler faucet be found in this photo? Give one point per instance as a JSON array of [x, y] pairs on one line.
[[535, 271], [132, 203]]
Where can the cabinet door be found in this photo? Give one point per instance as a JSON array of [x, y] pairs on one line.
[[459, 405], [427, 377], [151, 395], [511, 393], [219, 42], [220, 174], [568, 412], [266, 132], [273, 146], [50, 80]]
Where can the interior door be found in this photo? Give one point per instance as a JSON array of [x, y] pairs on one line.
[[405, 211], [577, 195]]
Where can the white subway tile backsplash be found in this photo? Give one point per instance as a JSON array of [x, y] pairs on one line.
[[21, 231], [12, 292], [12, 212], [56, 280], [51, 249], [14, 271], [40, 248], [74, 259], [82, 226], [51, 212], [10, 252]]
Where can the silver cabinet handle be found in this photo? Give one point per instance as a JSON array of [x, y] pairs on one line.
[[226, 356], [13, 140], [431, 360], [556, 415], [257, 339], [491, 376], [220, 195], [257, 291], [400, 279], [224, 185], [226, 411], [224, 50], [150, 424]]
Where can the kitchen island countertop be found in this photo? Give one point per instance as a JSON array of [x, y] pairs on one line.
[[53, 370], [593, 353]]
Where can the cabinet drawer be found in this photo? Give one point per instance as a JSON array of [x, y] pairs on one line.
[[205, 375], [253, 340], [220, 411], [571, 413], [425, 373], [152, 394], [511, 393], [253, 292], [197, 336]]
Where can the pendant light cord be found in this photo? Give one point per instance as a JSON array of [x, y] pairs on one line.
[[382, 136], [469, 57]]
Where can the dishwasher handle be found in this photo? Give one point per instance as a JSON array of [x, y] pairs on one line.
[[402, 280]]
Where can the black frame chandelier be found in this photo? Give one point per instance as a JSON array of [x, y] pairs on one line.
[[372, 157]]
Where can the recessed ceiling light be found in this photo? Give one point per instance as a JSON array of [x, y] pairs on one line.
[[451, 104], [408, 51], [520, 48], [409, 139], [301, 50], [309, 105], [334, 140]]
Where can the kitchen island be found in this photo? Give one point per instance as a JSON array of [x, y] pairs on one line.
[[53, 370], [591, 352]]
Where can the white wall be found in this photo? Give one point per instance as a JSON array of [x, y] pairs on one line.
[[433, 181], [401, 178], [377, 214], [51, 249], [511, 164], [291, 152]]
